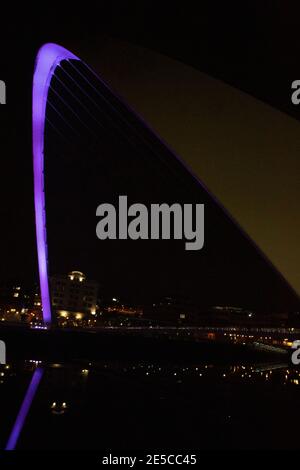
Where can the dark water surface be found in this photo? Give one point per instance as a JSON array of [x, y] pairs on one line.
[[144, 405]]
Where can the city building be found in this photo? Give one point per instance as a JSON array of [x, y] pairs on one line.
[[73, 295], [20, 303]]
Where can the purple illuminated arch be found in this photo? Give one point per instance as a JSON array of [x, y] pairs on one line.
[[48, 58]]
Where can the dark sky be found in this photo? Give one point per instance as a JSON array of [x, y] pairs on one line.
[[246, 152], [113, 154], [255, 48]]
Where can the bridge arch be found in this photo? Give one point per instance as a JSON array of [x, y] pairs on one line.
[[49, 57]]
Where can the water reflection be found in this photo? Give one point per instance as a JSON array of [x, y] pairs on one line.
[[147, 404], [24, 409]]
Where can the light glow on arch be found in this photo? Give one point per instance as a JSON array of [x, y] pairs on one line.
[[48, 58]]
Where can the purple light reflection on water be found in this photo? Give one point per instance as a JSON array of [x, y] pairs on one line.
[[20, 420]]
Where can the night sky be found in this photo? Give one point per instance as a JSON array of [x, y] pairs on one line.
[[257, 63], [246, 152]]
